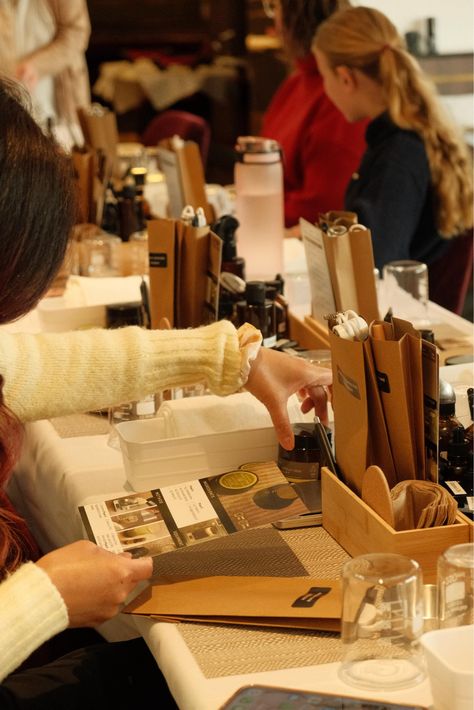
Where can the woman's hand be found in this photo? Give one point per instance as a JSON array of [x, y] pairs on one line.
[[94, 583], [275, 376], [26, 72]]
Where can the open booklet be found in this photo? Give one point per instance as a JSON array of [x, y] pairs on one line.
[[183, 514]]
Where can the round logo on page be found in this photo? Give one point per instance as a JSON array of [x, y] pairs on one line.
[[237, 481]]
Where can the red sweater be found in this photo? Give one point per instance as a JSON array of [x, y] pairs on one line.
[[321, 149]]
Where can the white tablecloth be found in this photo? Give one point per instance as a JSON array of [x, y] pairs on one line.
[[56, 475]]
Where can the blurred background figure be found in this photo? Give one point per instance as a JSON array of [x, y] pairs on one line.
[[42, 45], [321, 149], [413, 188]]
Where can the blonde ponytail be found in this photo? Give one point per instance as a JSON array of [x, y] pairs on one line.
[[365, 39]]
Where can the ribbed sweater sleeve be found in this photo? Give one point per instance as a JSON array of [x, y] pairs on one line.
[[31, 612], [53, 374]]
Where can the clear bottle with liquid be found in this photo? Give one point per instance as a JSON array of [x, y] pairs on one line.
[[258, 177]]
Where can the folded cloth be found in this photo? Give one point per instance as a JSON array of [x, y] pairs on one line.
[[210, 414]]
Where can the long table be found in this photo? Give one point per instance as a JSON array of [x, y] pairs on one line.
[[67, 462]]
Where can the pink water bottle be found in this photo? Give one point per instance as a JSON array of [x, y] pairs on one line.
[[259, 206]]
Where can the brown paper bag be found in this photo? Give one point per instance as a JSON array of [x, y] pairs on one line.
[[85, 169], [361, 437], [185, 264], [341, 265], [287, 602], [351, 264], [192, 178], [397, 360], [162, 247], [182, 166], [101, 134]]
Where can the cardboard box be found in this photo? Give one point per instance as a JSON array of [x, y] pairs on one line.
[[358, 529]]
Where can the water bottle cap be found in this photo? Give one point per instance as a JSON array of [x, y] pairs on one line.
[[256, 144]]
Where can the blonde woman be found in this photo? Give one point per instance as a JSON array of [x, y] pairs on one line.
[[413, 188], [321, 149]]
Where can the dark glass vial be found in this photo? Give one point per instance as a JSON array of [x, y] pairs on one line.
[[258, 311]]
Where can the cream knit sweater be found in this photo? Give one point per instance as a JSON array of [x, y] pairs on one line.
[[49, 375]]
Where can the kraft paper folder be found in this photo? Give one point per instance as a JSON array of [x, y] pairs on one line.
[[281, 602]]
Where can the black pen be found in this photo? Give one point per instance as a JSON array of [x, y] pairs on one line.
[[325, 446], [145, 303]]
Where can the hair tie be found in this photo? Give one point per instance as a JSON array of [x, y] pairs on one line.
[[386, 46]]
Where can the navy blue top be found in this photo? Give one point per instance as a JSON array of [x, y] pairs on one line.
[[393, 196]]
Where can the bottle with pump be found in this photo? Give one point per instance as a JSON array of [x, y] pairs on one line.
[[127, 209], [138, 240], [225, 228], [258, 178], [258, 311], [458, 468], [274, 292]]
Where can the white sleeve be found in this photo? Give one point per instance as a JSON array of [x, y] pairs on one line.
[[31, 612]]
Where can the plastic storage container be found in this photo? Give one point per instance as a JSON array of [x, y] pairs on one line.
[[152, 461]]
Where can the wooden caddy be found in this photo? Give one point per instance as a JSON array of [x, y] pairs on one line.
[[358, 529]]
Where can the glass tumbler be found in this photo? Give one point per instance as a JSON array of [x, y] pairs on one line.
[[405, 287], [456, 586], [382, 621]]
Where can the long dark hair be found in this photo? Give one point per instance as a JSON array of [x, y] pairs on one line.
[[37, 212], [300, 20]]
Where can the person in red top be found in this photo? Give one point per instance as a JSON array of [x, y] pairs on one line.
[[321, 150]]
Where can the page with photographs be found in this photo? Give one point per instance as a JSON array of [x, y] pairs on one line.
[[183, 514]]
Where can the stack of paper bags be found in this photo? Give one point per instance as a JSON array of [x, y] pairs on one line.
[[185, 263], [340, 266], [385, 401]]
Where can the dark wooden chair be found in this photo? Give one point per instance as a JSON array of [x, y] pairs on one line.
[[450, 276], [187, 126]]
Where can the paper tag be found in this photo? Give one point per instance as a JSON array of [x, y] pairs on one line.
[[455, 488]]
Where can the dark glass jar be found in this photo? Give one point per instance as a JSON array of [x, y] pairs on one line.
[[301, 465], [119, 315]]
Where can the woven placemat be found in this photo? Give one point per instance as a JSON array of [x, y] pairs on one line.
[[222, 650], [80, 425]]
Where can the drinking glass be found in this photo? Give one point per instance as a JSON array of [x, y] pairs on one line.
[[405, 286], [382, 621], [456, 586]]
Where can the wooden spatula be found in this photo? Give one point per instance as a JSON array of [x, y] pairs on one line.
[[376, 493]]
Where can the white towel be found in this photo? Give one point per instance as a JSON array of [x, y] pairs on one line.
[[210, 414]]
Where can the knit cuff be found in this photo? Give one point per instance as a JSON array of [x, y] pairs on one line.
[[31, 612], [250, 341]]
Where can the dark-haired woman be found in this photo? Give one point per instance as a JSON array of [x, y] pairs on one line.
[[52, 374], [321, 149]]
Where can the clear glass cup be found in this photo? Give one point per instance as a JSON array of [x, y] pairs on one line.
[[382, 621], [405, 289], [98, 255], [456, 586]]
